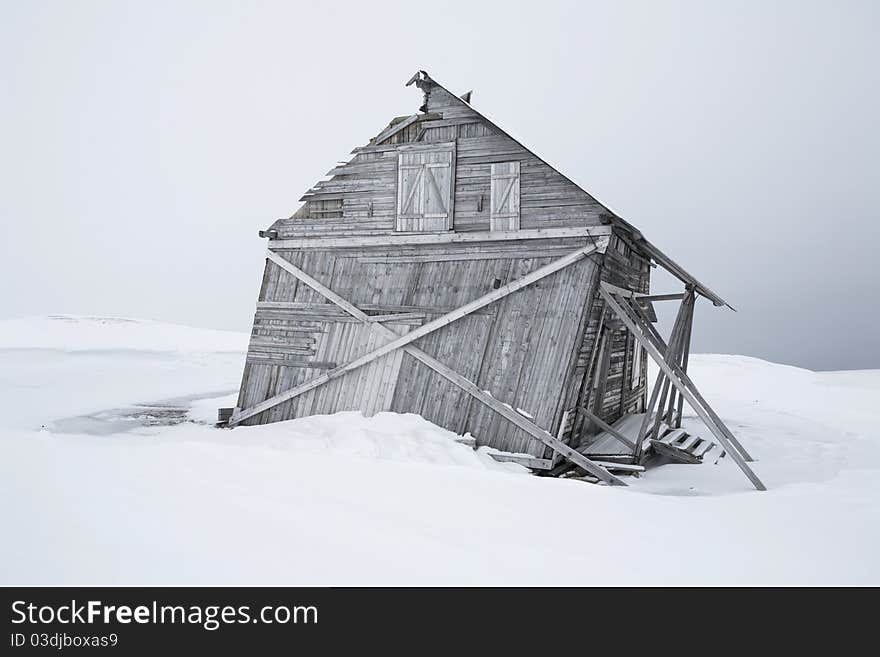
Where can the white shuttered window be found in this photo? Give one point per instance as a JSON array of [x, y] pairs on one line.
[[636, 365], [425, 181], [505, 196]]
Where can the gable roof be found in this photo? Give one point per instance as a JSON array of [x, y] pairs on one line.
[[425, 83]]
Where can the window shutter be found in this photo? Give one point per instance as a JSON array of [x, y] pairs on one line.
[[504, 194], [425, 178], [636, 378]]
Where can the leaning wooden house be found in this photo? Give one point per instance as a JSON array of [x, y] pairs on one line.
[[449, 271]]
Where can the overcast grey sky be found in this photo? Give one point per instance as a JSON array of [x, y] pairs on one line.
[[143, 145]]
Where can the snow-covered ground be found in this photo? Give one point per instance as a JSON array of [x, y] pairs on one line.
[[111, 473]]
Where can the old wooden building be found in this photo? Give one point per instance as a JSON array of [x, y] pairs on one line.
[[449, 271]]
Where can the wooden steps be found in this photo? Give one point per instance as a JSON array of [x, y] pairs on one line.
[[681, 446], [607, 451], [620, 467]]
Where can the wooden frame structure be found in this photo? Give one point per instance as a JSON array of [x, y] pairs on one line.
[[447, 270], [672, 372]]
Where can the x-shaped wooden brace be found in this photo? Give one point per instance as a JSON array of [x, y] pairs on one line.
[[404, 342]]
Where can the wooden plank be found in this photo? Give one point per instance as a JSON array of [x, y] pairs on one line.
[[702, 448], [614, 289], [524, 460], [329, 311], [677, 352], [676, 419], [607, 427], [546, 252], [674, 453], [688, 442], [445, 145], [682, 382], [420, 239], [661, 297], [392, 130], [672, 436], [623, 467]]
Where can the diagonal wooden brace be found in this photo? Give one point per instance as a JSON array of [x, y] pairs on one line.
[[448, 373], [681, 381], [652, 334], [614, 433]]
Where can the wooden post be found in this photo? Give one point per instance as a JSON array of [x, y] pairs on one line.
[[684, 384], [676, 422], [667, 414], [672, 354], [661, 382], [651, 334], [646, 421]]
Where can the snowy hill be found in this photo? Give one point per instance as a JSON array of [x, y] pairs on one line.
[[130, 483], [74, 333]]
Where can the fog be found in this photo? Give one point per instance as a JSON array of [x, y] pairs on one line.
[[143, 145]]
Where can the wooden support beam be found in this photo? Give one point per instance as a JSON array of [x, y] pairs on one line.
[[524, 460], [652, 334], [622, 292], [607, 427], [390, 131], [671, 355], [623, 467], [448, 373], [660, 384], [662, 297], [681, 381], [676, 420], [526, 425], [678, 356], [422, 239], [646, 421]]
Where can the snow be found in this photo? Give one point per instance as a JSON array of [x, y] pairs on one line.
[[61, 366], [112, 473], [75, 334]]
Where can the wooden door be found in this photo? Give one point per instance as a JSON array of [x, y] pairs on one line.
[[425, 184]]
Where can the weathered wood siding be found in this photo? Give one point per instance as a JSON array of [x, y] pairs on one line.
[[366, 187], [518, 348], [617, 392]]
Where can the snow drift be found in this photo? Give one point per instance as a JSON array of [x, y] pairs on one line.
[[393, 499]]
